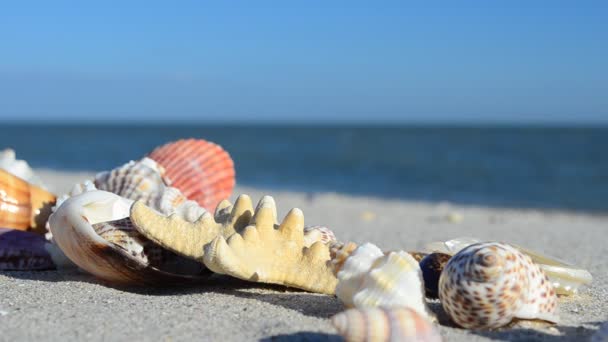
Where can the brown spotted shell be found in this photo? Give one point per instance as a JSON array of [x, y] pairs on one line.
[[386, 325], [487, 285]]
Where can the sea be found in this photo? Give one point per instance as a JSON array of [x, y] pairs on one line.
[[534, 167]]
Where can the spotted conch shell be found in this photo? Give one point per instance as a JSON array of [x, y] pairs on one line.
[[244, 243], [565, 278], [313, 234], [370, 278], [93, 230], [384, 325], [19, 168], [23, 206], [201, 170], [488, 285]]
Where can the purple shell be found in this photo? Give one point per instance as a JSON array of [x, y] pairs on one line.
[[23, 251]]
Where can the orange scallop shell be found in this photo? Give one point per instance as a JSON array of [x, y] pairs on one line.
[[23, 206], [201, 170]]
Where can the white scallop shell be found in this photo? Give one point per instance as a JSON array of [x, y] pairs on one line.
[[487, 285], [382, 324], [19, 168], [371, 279], [566, 278]]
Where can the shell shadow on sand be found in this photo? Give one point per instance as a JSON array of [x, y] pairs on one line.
[[303, 337]]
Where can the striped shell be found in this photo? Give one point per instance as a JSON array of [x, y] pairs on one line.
[[487, 285], [384, 325], [23, 206], [565, 278], [371, 279], [201, 170], [94, 231]]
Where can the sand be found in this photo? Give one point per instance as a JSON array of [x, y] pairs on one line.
[[72, 305]]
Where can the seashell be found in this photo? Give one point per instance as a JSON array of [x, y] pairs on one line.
[[201, 170], [565, 278], [602, 334], [94, 231], [371, 278], [313, 234], [19, 168], [432, 265], [24, 251], [23, 206], [488, 285], [384, 325]]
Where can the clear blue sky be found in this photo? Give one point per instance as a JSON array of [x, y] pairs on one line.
[[316, 61]]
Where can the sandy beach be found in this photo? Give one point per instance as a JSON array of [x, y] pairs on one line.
[[73, 306]]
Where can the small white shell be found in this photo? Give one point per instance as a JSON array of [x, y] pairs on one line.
[[372, 279], [386, 325], [487, 285], [565, 278], [19, 168], [313, 234]]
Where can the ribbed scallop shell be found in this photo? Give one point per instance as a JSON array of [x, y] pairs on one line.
[[23, 206], [94, 231], [384, 325], [565, 278], [19, 168], [487, 285], [371, 279], [201, 170]]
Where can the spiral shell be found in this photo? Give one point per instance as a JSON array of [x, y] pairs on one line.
[[487, 285], [201, 170], [23, 206], [565, 278], [386, 325], [370, 278]]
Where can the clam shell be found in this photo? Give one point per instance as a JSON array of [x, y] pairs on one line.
[[432, 265], [386, 325], [24, 251], [23, 206], [201, 170], [488, 285], [373, 279], [92, 231], [19, 168], [566, 278]]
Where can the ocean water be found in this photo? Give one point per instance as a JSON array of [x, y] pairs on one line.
[[529, 167]]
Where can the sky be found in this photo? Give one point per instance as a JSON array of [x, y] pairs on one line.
[[312, 61]]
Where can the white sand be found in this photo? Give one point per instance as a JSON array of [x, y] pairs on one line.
[[75, 306]]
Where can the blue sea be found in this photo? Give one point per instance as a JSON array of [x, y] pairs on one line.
[[521, 167]]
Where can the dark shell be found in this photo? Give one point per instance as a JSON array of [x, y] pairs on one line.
[[431, 266], [23, 251]]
